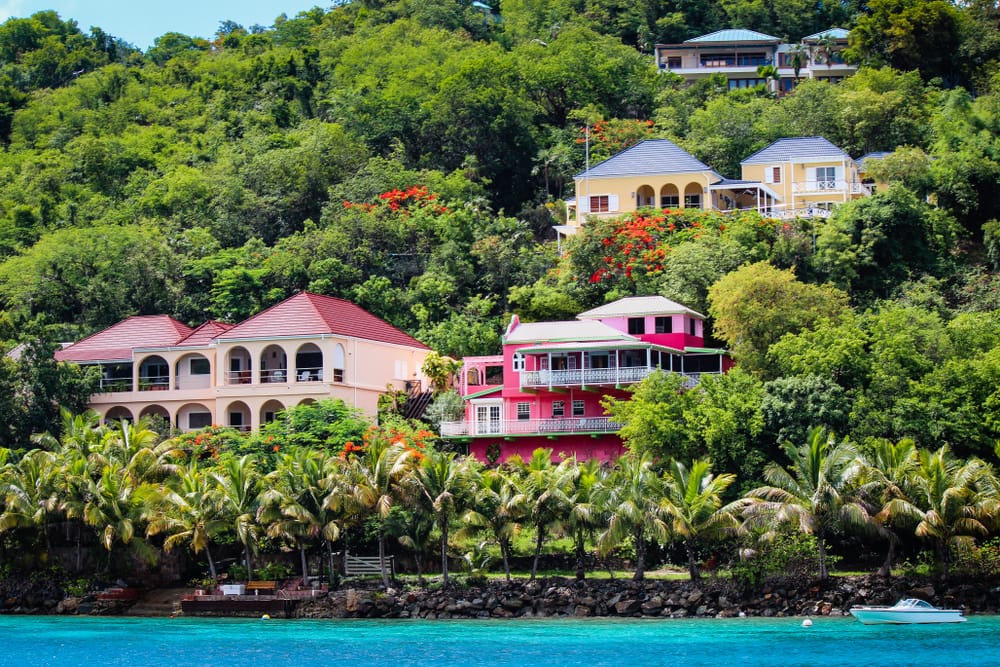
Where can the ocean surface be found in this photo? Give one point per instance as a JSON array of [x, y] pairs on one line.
[[27, 641]]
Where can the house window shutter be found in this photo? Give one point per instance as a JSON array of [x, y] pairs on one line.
[[583, 203], [769, 175], [612, 202]]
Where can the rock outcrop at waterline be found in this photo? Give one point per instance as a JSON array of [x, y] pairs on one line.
[[560, 597], [670, 599]]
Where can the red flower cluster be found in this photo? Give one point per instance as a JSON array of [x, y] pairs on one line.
[[616, 134], [403, 201]]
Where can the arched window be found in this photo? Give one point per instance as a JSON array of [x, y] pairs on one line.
[[338, 363]]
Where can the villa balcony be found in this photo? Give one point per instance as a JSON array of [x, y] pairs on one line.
[[582, 377], [823, 187], [514, 427]]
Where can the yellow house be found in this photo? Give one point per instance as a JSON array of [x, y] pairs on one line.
[[306, 348], [657, 173], [809, 175]]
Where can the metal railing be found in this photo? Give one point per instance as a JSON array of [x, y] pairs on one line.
[[116, 384], [530, 426], [274, 375], [852, 187], [585, 376], [239, 377], [154, 382], [309, 374]]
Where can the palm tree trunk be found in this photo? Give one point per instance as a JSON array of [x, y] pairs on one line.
[[329, 557], [381, 556], [640, 558], [538, 551], [444, 551], [211, 563], [79, 546], [305, 567], [504, 548], [581, 572], [693, 570], [249, 564], [821, 546], [886, 568]]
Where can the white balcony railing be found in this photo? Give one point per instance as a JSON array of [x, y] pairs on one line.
[[821, 186], [530, 427], [593, 376]]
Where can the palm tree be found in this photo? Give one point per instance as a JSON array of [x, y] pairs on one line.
[[546, 487], [632, 498], [414, 531], [888, 477], [951, 501], [374, 485], [500, 505], [694, 504], [294, 505], [584, 514], [815, 492], [30, 494], [239, 486], [189, 510], [115, 507], [440, 483]]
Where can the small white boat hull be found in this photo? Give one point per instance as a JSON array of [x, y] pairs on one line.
[[906, 612]]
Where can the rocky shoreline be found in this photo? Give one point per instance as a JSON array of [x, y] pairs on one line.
[[563, 597]]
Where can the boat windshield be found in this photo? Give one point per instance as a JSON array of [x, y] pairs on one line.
[[913, 603]]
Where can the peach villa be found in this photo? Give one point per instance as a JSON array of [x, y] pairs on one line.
[[545, 389], [304, 349]]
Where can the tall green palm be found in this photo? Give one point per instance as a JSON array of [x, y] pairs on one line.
[[115, 507], [585, 515], [74, 481], [189, 511], [547, 489], [694, 504], [632, 497], [374, 485], [500, 505], [816, 492], [294, 507], [30, 494], [239, 486], [952, 501], [440, 484], [888, 477]]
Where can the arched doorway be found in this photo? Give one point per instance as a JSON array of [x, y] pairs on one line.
[[692, 196], [269, 411], [273, 364], [238, 366], [154, 374], [238, 416], [645, 196], [308, 363], [193, 416], [118, 413], [193, 371], [669, 197]]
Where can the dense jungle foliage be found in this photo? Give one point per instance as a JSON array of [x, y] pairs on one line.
[[413, 157]]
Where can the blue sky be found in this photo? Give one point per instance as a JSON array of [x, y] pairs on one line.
[[142, 21]]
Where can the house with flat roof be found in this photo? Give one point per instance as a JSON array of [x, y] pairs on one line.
[[545, 388], [738, 52], [306, 348]]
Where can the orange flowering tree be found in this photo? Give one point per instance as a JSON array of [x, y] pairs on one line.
[[608, 137], [209, 442], [629, 253], [416, 441]]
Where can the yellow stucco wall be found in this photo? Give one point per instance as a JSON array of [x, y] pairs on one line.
[[628, 189]]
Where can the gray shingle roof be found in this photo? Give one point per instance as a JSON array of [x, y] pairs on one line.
[[836, 33], [795, 149], [732, 35], [637, 306], [652, 156]]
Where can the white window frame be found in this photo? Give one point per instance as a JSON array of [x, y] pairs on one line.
[[523, 411]]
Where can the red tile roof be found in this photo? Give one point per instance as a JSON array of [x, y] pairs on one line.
[[117, 341], [311, 314], [204, 334]]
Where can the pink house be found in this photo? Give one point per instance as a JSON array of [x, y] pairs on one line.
[[545, 390], [304, 349]]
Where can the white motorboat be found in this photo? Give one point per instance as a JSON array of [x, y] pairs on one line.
[[910, 610]]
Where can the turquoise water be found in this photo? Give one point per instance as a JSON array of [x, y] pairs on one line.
[[109, 642]]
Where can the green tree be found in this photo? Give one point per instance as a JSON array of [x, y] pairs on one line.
[[499, 505]]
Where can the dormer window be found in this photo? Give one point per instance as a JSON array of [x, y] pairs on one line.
[[518, 361], [636, 326], [664, 325]]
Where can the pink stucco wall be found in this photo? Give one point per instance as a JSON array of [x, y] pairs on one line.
[[604, 448]]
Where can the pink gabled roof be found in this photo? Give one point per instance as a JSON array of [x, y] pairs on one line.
[[204, 334], [117, 341], [307, 314]]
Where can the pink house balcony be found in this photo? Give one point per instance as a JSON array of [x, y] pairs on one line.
[[506, 427], [595, 376]]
